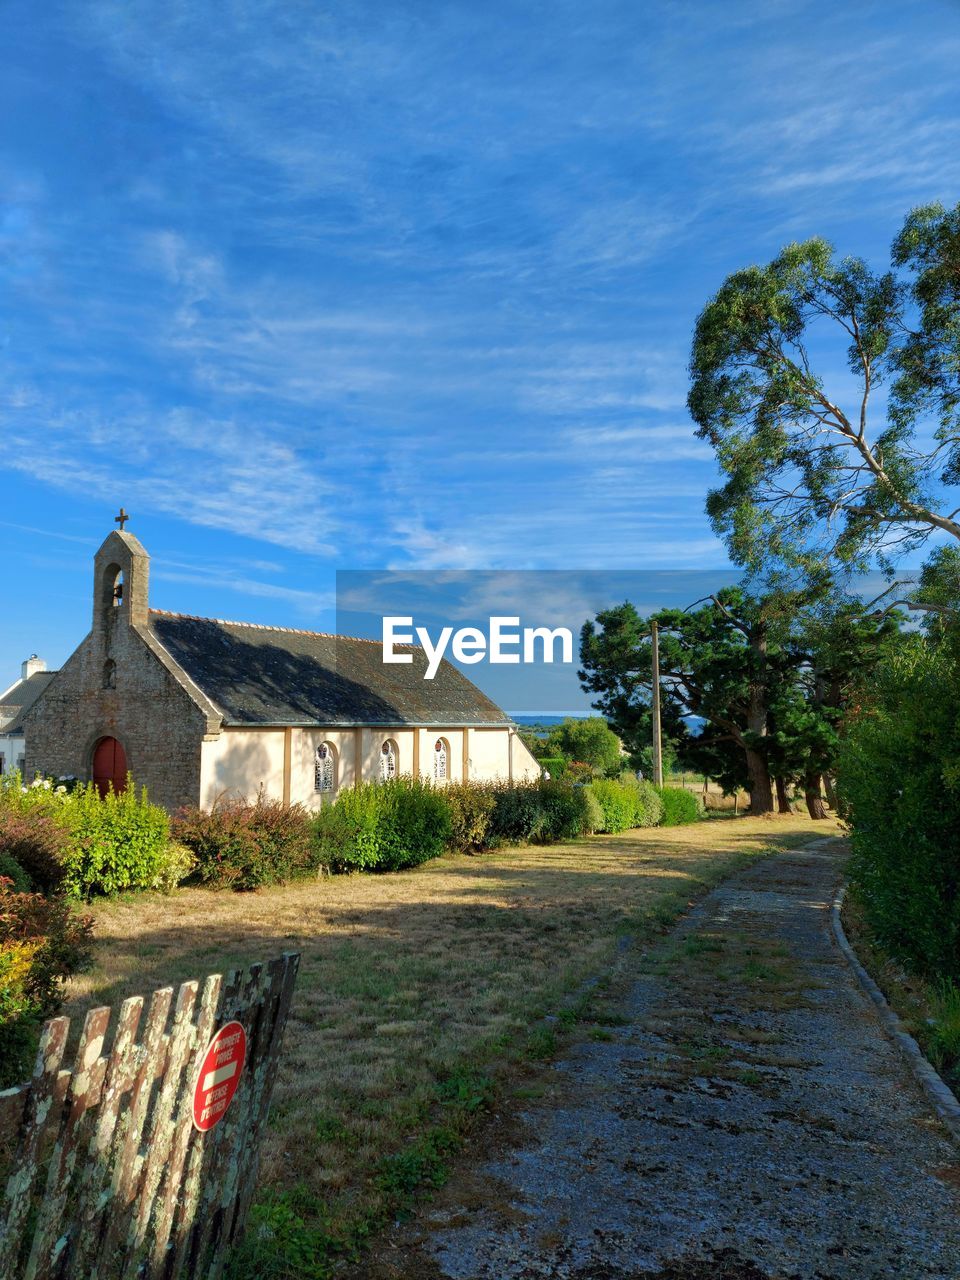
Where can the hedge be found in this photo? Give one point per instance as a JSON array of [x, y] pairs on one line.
[[627, 803], [680, 806], [80, 842], [899, 783], [245, 846], [384, 826], [83, 844], [556, 766]]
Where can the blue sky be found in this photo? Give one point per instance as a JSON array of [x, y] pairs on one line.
[[406, 285]]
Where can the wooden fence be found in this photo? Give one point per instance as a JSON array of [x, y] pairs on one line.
[[109, 1178]]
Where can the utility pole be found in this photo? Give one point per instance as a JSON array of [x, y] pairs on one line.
[[657, 737]]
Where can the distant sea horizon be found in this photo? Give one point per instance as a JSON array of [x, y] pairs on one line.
[[554, 719], [696, 723]]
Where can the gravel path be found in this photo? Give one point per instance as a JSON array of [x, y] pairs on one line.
[[750, 1119]]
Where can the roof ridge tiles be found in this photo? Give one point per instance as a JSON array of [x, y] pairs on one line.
[[263, 626]]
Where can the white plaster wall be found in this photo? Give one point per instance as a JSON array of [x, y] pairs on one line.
[[489, 754], [239, 762], [526, 767], [303, 756], [344, 742], [454, 740], [499, 754]]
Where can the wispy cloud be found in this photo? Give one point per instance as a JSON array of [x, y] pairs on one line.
[[213, 473]]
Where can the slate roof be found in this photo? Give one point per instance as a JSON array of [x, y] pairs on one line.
[[260, 675], [20, 699]]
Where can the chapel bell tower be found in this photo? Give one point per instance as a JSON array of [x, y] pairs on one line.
[[121, 578]]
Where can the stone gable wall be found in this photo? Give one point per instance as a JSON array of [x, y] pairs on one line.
[[148, 712]]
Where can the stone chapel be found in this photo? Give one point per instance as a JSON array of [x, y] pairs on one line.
[[198, 708]]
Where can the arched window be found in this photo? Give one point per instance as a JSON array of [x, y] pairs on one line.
[[441, 760], [109, 674], [388, 760], [325, 769]]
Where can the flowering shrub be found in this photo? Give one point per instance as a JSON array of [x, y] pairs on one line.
[[42, 942]]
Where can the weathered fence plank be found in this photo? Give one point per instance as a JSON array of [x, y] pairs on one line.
[[107, 1175]]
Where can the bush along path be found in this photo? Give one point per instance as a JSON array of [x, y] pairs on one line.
[[748, 1119]]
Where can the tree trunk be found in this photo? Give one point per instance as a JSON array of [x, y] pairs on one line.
[[783, 801], [812, 794], [761, 788]]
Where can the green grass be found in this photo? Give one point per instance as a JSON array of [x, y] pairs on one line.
[[422, 996]]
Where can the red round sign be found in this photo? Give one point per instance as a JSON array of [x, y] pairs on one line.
[[219, 1075]]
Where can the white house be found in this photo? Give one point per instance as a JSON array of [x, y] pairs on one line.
[[22, 694]]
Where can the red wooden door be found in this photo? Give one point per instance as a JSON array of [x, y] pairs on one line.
[[109, 766]]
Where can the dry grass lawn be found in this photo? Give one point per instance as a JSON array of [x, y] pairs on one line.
[[414, 984]]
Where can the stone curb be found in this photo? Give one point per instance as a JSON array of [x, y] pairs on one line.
[[941, 1097]]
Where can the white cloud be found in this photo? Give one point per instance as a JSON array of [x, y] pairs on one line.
[[213, 472]]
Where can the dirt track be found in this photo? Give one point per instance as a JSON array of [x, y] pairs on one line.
[[750, 1119]]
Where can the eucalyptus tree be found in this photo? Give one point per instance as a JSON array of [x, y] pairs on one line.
[[864, 462]]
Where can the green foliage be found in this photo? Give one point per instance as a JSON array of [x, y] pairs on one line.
[[680, 806], [471, 806], [943, 1045], [414, 823], [386, 826], [79, 841], [617, 804], [10, 869], [899, 781], [625, 803], [642, 758], [245, 846], [117, 841], [42, 942], [590, 740], [566, 811], [593, 811], [647, 802], [805, 481], [346, 833], [34, 830], [556, 766], [178, 864], [535, 812], [518, 816], [769, 674], [534, 741]]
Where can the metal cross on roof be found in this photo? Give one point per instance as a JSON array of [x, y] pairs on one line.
[[121, 519]]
